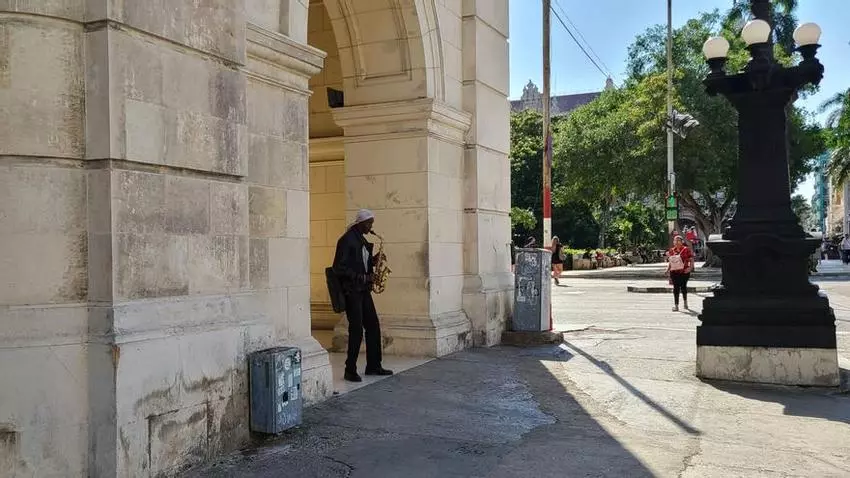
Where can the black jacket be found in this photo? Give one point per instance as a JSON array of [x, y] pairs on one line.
[[348, 262]]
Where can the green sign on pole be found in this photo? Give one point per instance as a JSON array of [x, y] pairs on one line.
[[672, 208]]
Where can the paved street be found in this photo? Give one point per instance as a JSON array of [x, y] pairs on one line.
[[619, 398]]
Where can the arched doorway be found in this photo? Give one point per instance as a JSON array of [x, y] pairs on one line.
[[393, 129]]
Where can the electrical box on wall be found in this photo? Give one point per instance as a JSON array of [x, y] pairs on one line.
[[275, 381]]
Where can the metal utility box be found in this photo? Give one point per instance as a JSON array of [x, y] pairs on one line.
[[275, 381], [532, 291]]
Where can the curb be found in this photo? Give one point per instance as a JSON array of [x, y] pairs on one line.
[[668, 290], [525, 339]]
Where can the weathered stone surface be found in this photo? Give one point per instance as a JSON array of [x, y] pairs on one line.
[[187, 206], [151, 265], [43, 114], [66, 9], [228, 208], [784, 366], [43, 233], [267, 211], [212, 26]]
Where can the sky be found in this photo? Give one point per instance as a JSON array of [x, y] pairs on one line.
[[610, 26]]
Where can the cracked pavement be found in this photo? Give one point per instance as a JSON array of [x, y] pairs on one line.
[[618, 398]]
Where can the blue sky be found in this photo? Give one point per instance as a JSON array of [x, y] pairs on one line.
[[610, 26]]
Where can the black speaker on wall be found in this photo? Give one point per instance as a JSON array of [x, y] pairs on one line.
[[336, 98]]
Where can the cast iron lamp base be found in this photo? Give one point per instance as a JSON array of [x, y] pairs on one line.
[[767, 323]]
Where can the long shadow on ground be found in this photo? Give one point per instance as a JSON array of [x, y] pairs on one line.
[[483, 413]]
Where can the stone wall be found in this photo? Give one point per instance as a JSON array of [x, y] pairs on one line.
[[154, 228]]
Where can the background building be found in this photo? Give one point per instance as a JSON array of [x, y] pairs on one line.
[[820, 200], [532, 99]]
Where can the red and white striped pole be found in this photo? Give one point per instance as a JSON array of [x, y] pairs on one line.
[[547, 135]]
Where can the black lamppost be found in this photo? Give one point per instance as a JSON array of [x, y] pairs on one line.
[[766, 322]]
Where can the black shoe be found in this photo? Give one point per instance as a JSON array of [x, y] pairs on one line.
[[379, 371], [352, 377]]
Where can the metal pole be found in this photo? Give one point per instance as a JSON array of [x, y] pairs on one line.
[[547, 140], [671, 175]]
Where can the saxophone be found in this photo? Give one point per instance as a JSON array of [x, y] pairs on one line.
[[380, 270]]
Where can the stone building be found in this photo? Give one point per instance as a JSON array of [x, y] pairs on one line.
[[532, 99], [820, 199], [172, 180], [838, 215]]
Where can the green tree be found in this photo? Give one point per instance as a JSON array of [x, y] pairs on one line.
[[706, 162], [572, 220], [803, 210], [526, 169], [638, 225], [784, 20], [522, 220], [837, 135], [593, 160]]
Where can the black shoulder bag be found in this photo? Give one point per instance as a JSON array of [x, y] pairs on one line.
[[335, 290]]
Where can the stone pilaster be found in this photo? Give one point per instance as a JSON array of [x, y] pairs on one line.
[[44, 272], [327, 223], [488, 285], [404, 161]]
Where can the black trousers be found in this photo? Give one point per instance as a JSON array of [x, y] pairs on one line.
[[680, 286], [360, 310]]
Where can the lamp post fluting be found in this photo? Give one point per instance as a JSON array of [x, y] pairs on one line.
[[766, 322]]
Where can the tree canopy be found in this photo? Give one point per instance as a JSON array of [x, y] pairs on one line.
[[838, 135], [616, 145]]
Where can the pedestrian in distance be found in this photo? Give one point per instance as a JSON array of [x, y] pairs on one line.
[[680, 264], [557, 259], [845, 249]]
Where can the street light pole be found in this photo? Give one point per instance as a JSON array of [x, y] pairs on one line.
[[766, 322]]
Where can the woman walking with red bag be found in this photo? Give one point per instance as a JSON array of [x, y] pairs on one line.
[[680, 263]]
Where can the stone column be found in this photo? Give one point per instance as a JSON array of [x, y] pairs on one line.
[[404, 161], [488, 284]]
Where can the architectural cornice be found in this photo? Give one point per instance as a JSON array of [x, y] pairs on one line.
[[327, 149], [283, 52], [404, 118]]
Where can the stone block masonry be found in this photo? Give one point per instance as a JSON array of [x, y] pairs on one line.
[[153, 230]]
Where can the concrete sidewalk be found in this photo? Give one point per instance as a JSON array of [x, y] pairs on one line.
[[617, 399]]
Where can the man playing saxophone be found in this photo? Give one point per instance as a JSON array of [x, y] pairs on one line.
[[354, 265]]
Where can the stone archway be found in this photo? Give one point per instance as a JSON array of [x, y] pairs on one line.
[[411, 153]]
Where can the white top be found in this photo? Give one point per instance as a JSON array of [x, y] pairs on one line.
[[845, 244], [365, 259]]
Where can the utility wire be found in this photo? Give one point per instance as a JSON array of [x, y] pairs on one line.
[[561, 21], [578, 31]]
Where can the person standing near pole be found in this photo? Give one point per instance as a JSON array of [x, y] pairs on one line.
[[680, 264]]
